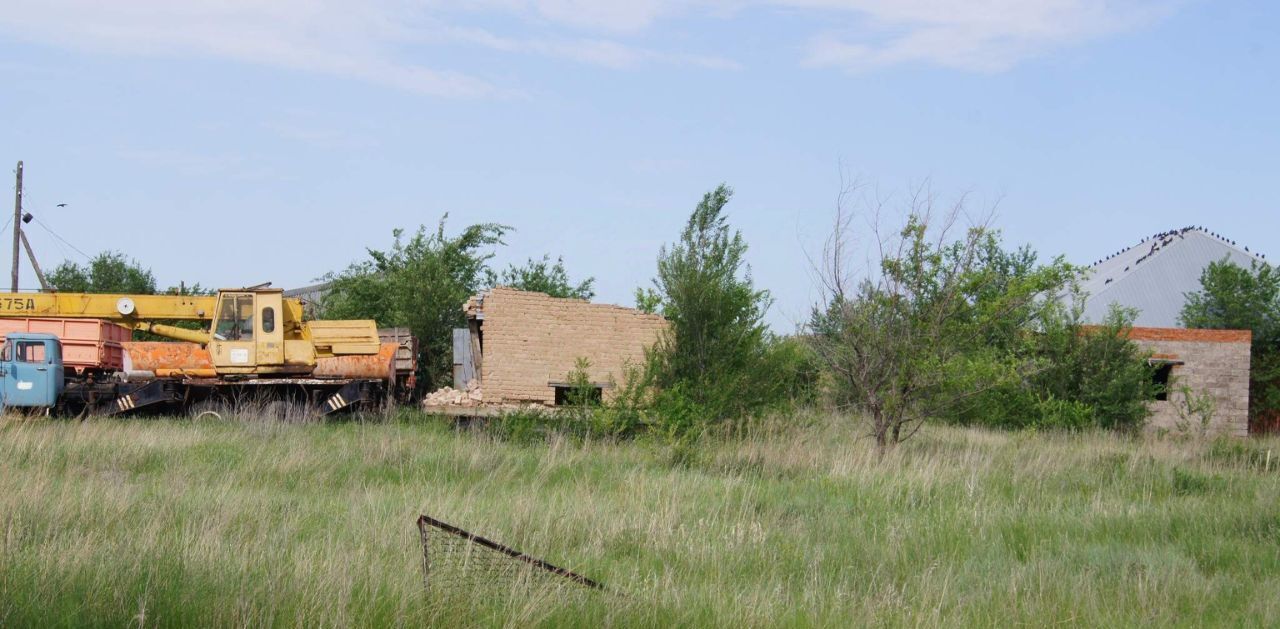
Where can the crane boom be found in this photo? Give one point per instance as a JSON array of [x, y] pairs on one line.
[[107, 306], [140, 312]]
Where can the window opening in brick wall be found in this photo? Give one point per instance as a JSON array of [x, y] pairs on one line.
[[1161, 377], [565, 393]]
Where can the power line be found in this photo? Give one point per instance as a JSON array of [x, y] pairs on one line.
[[66, 255], [55, 235]]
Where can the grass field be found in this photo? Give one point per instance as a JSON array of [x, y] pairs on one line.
[[175, 523]]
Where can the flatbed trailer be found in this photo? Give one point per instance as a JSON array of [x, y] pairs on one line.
[[177, 394]]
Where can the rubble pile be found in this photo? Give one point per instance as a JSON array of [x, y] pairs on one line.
[[449, 396]]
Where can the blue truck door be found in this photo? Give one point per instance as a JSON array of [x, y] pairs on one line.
[[32, 370]]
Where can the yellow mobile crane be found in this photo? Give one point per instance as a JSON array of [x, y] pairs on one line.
[[253, 331], [256, 346]]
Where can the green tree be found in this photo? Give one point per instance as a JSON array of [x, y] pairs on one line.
[[951, 327], [1232, 297], [107, 272], [113, 272], [543, 276], [420, 283], [712, 363]]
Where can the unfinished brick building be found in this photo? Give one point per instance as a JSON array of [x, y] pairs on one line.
[[1213, 362], [521, 346]]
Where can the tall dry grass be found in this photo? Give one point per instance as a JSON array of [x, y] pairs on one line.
[[234, 523]]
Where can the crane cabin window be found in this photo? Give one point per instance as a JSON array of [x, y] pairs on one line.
[[268, 320], [235, 318]]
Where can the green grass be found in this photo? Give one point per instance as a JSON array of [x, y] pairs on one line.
[[175, 523]]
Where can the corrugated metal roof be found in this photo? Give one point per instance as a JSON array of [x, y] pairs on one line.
[[1155, 275], [311, 293]]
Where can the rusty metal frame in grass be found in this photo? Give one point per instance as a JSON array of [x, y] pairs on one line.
[[426, 523]]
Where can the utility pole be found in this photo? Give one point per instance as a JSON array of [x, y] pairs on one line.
[[17, 227]]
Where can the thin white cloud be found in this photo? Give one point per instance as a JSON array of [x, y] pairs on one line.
[[980, 35], [593, 51], [619, 16], [371, 41], [364, 41], [321, 36], [984, 35]]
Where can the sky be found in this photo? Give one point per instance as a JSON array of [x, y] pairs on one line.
[[234, 142]]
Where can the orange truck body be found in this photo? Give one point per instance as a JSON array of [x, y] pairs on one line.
[[87, 344]]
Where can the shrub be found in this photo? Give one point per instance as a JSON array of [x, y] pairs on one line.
[[1075, 377], [1098, 367]]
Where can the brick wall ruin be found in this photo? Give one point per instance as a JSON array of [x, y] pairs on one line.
[[1215, 362], [529, 342]]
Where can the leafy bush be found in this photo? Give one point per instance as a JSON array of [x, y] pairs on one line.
[[1100, 368], [627, 413], [794, 371], [1074, 377], [594, 416]]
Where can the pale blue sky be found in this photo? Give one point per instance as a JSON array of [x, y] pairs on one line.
[[237, 142]]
